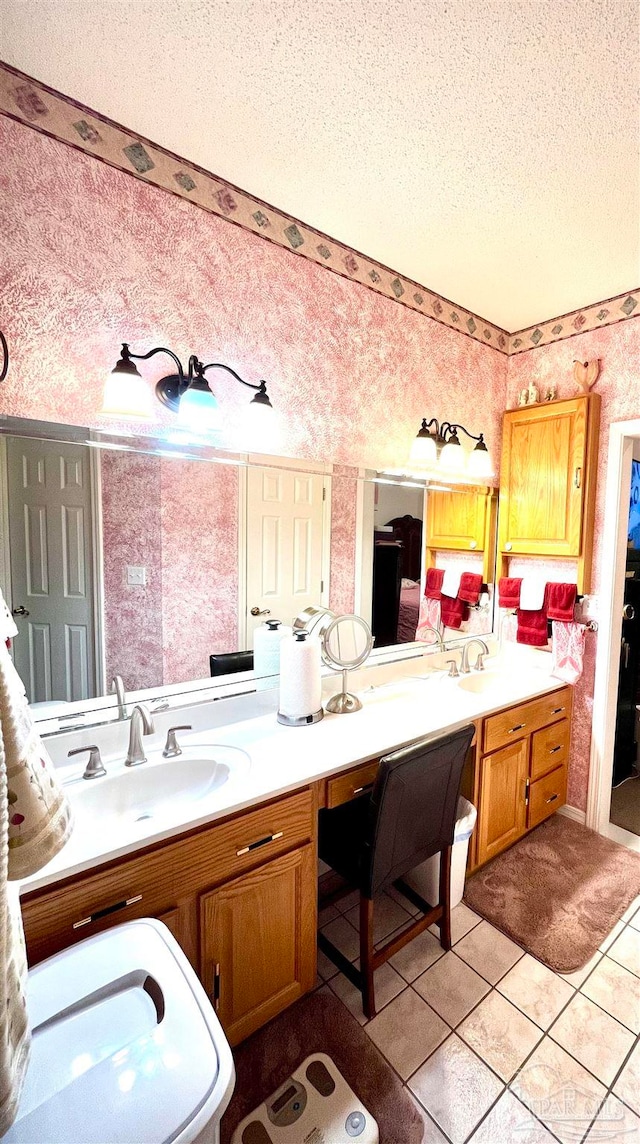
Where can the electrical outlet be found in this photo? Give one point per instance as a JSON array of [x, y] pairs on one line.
[[136, 575]]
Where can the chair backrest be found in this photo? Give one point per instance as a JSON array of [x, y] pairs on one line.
[[229, 662], [412, 813]]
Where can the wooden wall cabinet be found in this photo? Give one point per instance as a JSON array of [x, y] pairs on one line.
[[521, 774], [547, 482], [240, 896], [462, 521]]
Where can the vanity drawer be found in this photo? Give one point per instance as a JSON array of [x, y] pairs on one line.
[[351, 784], [516, 722], [550, 748], [546, 796]]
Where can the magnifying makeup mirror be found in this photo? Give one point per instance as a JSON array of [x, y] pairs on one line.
[[346, 643]]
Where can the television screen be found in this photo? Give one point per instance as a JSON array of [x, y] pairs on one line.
[[634, 505]]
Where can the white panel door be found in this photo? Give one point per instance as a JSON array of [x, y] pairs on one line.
[[51, 559], [284, 544]]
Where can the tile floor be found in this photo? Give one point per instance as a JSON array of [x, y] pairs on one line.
[[495, 1048]]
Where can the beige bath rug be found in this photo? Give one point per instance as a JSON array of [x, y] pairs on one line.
[[558, 892]]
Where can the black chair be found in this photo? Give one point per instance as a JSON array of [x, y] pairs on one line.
[[230, 662], [373, 840]]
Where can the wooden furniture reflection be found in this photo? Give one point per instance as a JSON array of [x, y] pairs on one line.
[[462, 520], [547, 482]]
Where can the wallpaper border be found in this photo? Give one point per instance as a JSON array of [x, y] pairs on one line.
[[32, 103]]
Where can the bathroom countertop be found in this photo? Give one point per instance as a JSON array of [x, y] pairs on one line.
[[394, 714]]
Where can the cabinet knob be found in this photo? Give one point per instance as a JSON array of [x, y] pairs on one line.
[[508, 546], [473, 544]]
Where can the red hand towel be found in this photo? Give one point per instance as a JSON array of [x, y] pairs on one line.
[[453, 612], [532, 626], [509, 592], [470, 587], [562, 599], [433, 586]]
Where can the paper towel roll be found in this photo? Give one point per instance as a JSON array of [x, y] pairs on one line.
[[266, 647], [300, 680]]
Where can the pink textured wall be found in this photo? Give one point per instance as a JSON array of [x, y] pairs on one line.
[[344, 488], [200, 566], [618, 348], [93, 257], [178, 519], [131, 506]]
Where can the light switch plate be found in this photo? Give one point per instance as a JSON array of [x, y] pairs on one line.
[[136, 575]]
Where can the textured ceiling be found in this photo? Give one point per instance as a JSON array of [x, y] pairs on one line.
[[489, 149]]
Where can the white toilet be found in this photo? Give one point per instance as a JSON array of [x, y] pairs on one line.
[[126, 1046]]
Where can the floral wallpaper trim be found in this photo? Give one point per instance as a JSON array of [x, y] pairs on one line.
[[35, 105], [607, 313]]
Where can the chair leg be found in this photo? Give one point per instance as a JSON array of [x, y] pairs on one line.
[[445, 897], [366, 956]]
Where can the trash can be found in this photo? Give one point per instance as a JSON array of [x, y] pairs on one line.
[[425, 878]]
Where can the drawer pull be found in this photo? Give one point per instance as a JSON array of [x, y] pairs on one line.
[[552, 750], [518, 727], [107, 910], [553, 798], [259, 843], [360, 789], [557, 710], [216, 986]]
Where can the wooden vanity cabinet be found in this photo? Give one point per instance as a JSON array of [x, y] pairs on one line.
[[239, 896], [547, 482], [521, 773]]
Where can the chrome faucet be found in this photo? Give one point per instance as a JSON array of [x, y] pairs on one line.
[[479, 664], [430, 628], [141, 724], [118, 686]]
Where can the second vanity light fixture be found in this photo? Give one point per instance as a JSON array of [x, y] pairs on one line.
[[437, 445], [187, 394]]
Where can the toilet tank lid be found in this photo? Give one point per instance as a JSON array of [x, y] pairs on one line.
[[125, 1044]]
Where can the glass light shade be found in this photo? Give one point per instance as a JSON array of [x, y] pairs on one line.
[[127, 395], [258, 426], [199, 410], [452, 457], [423, 450], [479, 462]]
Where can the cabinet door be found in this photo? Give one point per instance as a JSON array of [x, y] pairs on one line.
[[543, 479], [457, 520], [258, 941], [503, 793]]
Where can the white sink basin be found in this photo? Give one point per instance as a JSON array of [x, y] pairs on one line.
[[483, 681], [158, 789]]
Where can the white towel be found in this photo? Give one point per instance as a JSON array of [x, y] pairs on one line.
[[451, 582], [8, 629], [532, 593], [35, 822]]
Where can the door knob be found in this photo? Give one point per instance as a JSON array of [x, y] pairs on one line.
[[257, 612], [628, 612], [21, 611]]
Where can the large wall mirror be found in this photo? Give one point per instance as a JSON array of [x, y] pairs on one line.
[[155, 561]]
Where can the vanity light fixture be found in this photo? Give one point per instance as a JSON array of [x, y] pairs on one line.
[[187, 394], [438, 445]]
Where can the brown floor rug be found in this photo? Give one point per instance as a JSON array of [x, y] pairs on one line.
[[321, 1023], [558, 892]]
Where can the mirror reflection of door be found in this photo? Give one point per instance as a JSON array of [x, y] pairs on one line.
[[284, 544], [49, 510]]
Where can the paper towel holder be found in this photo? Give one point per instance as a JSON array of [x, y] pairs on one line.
[[346, 643]]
